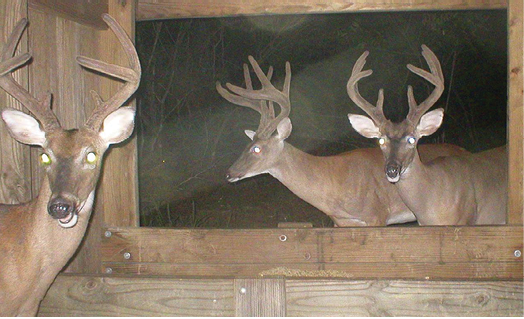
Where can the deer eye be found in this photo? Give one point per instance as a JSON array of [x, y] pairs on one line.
[[91, 157], [381, 141], [411, 140], [45, 159], [256, 149]]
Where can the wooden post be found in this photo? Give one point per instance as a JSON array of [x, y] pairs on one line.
[[15, 164]]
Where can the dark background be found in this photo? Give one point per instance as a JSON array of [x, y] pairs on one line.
[[188, 135]]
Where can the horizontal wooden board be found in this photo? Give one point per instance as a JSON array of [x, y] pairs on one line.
[[403, 298], [102, 296], [84, 295], [452, 252], [171, 9]]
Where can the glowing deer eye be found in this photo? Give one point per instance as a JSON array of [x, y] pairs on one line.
[[381, 141], [91, 157], [45, 159], [256, 149], [411, 140]]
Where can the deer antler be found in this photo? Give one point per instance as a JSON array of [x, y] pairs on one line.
[[256, 99], [375, 112], [130, 75], [436, 77], [41, 108]]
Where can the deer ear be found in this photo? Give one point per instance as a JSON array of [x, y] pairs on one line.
[[118, 125], [250, 134], [430, 122], [23, 127], [284, 128], [364, 126]]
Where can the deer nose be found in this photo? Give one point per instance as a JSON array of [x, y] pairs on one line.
[[60, 208], [393, 171]]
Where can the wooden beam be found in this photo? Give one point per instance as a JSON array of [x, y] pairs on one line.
[[452, 252], [15, 162], [260, 297], [515, 114], [84, 295], [84, 12], [172, 9]]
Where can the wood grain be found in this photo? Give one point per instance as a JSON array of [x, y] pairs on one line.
[[102, 296], [412, 249], [403, 298], [171, 9], [15, 162], [84, 12], [84, 295], [260, 297], [515, 114]]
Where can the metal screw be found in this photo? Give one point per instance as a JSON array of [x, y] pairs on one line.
[[127, 255], [307, 256], [517, 253], [109, 270], [108, 234], [243, 290], [282, 237]]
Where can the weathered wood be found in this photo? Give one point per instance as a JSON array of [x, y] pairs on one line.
[[102, 296], [515, 114], [145, 296], [403, 298], [15, 163], [347, 249], [84, 12], [170, 9], [355, 270], [260, 298]]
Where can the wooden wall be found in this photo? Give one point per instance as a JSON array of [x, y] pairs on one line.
[[170, 9], [154, 296]]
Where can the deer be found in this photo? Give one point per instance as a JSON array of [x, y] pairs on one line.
[[39, 237], [348, 187], [462, 189]]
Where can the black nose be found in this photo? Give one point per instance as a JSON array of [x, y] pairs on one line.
[[393, 170], [59, 208]]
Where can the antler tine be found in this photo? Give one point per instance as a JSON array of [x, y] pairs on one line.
[[375, 112], [268, 93], [435, 77], [40, 108], [131, 75]]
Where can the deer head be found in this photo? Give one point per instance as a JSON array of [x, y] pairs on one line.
[[268, 141], [71, 158], [398, 141]]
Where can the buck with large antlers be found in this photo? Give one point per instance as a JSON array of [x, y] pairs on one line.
[[39, 237], [348, 187], [455, 190]]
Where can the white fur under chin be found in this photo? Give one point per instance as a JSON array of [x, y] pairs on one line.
[[393, 180], [86, 207]]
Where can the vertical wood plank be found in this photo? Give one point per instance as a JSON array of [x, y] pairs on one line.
[[84, 12], [260, 297], [516, 114], [15, 165], [116, 197]]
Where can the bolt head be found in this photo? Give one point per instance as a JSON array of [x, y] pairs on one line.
[[517, 253], [243, 290], [109, 270], [127, 255], [108, 234]]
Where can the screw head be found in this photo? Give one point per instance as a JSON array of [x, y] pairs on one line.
[[108, 234], [282, 238], [517, 253], [109, 270], [243, 290], [127, 255]]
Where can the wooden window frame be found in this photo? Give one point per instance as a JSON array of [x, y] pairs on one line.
[[116, 245]]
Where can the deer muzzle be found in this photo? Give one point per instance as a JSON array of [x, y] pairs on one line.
[[64, 210], [393, 172]]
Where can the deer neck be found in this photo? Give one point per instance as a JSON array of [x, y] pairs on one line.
[[300, 172], [50, 245]]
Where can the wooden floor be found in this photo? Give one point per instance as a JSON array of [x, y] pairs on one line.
[[85, 295]]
